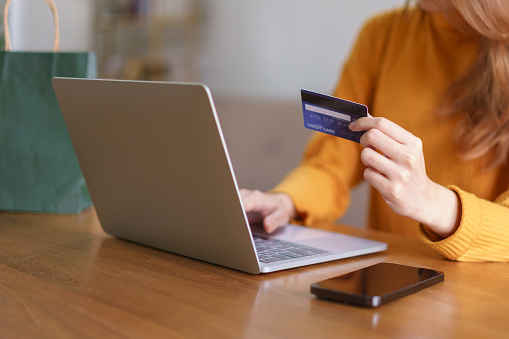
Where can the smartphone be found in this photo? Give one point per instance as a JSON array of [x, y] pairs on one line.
[[375, 285]]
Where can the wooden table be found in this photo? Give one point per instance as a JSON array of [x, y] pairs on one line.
[[62, 277]]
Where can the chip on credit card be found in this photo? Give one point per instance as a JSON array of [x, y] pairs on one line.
[[331, 115]]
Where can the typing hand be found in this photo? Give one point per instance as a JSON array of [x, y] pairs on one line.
[[399, 174], [272, 209]]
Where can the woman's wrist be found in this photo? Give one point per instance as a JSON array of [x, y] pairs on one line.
[[444, 215]]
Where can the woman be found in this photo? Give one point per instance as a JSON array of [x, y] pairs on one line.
[[436, 78]]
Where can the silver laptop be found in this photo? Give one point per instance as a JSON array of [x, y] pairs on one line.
[[159, 174]]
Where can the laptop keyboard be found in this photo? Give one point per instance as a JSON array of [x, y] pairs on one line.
[[272, 250]]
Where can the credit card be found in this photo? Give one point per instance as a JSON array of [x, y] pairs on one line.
[[331, 115]]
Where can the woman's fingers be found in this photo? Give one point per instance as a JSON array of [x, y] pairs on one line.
[[374, 160], [395, 166], [389, 128], [273, 209], [277, 218], [393, 141]]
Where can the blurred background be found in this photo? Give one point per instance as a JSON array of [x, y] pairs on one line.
[[255, 55]]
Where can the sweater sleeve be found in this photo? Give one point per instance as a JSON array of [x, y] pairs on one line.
[[483, 233], [331, 166]]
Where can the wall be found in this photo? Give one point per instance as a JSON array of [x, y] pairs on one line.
[[255, 48], [273, 48], [32, 28]]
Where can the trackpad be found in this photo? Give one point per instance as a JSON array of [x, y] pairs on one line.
[[289, 232]]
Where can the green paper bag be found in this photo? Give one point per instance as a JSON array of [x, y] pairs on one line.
[[39, 171]]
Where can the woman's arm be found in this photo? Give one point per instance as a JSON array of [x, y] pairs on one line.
[[456, 223], [483, 231], [396, 168]]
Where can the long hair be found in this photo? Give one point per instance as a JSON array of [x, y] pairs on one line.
[[481, 97]]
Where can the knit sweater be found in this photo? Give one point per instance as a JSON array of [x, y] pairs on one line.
[[399, 67]]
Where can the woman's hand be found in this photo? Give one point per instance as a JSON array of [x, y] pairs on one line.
[[395, 168], [273, 209]]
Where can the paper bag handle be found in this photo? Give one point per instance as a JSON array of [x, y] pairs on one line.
[[53, 7]]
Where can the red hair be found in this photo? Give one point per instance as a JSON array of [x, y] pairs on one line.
[[481, 97]]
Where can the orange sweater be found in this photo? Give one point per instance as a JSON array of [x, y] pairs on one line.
[[399, 67]]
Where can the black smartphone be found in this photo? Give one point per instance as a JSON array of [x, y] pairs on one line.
[[375, 285]]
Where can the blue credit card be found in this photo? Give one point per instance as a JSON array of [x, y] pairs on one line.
[[331, 115]]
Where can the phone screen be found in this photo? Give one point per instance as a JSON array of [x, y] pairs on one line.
[[377, 284]]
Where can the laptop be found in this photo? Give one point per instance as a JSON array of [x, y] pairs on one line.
[[159, 174]]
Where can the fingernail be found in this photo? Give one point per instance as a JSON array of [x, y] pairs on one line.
[[352, 125], [269, 227]]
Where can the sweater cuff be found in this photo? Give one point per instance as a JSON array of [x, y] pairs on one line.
[[302, 217], [312, 204], [456, 245]]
